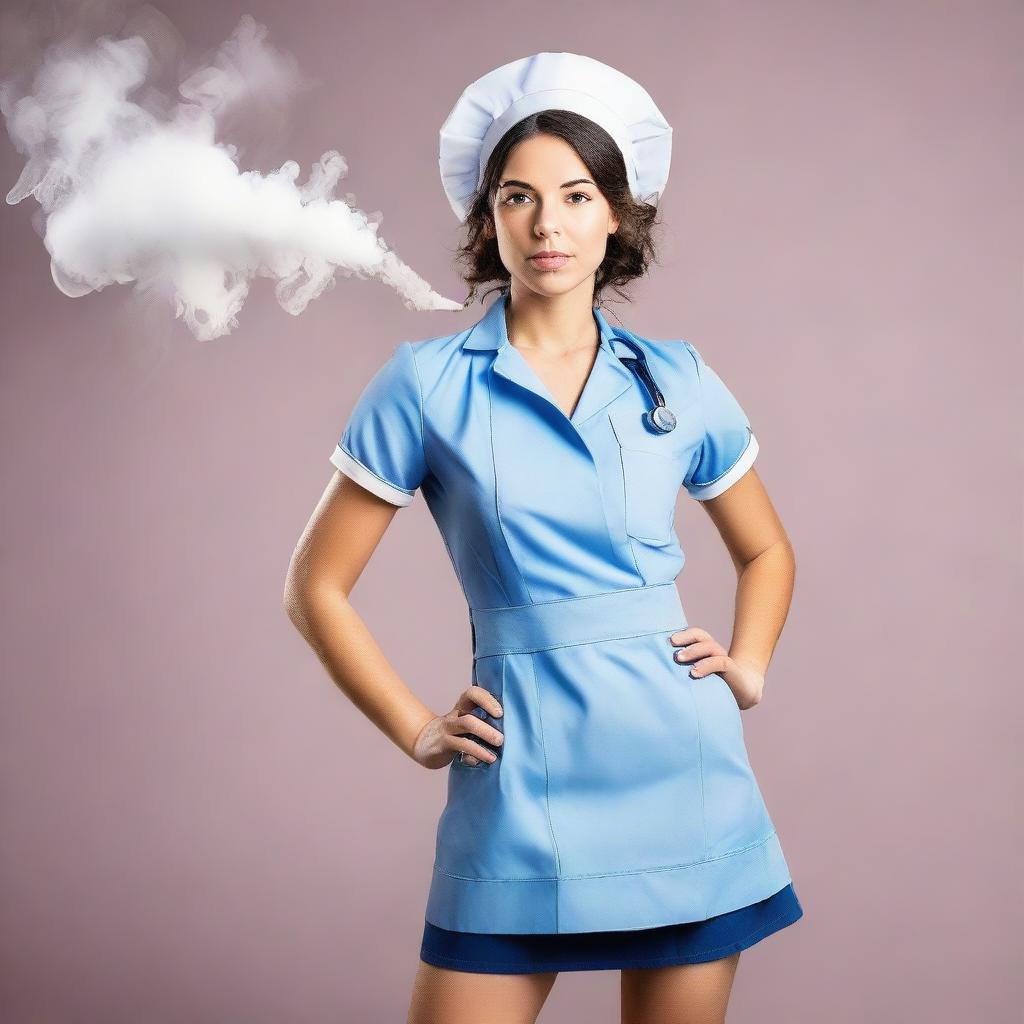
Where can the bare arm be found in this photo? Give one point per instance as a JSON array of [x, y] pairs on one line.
[[336, 545], [766, 571]]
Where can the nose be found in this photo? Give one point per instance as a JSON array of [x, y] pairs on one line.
[[546, 223]]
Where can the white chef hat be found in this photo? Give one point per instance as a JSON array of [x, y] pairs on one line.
[[566, 81]]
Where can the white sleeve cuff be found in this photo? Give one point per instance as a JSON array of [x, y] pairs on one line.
[[730, 476], [341, 459]]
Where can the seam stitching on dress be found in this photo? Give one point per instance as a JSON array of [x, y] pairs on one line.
[[687, 481], [484, 568], [455, 566], [578, 643], [547, 784], [383, 480], [579, 597], [614, 874], [625, 503], [497, 495], [700, 391], [419, 393], [700, 774], [423, 443], [708, 483]]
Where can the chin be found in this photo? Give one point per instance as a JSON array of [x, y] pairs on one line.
[[553, 282]]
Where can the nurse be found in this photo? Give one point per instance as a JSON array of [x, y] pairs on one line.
[[601, 812]]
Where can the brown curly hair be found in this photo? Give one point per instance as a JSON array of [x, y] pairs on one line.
[[630, 249]]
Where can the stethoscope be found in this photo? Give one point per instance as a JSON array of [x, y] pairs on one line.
[[660, 418]]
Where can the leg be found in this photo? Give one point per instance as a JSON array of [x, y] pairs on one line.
[[683, 994], [441, 996]]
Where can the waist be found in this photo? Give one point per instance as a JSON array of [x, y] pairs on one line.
[[613, 615]]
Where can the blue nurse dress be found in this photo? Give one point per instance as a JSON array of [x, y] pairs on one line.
[[622, 796]]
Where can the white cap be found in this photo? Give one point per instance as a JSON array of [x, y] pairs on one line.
[[561, 81]]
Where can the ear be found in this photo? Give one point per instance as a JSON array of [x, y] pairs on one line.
[[613, 224]]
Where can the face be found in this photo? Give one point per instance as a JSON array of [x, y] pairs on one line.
[[547, 200]]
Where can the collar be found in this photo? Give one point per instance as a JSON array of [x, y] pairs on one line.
[[491, 330], [608, 379]]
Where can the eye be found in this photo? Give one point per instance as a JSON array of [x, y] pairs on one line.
[[522, 195]]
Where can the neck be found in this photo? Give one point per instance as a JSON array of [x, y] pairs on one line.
[[553, 325]]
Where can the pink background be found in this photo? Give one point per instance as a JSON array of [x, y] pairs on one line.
[[199, 827]]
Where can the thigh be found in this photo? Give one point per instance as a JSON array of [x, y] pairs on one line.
[[682, 994], [464, 997]]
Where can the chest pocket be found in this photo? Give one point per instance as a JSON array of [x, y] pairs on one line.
[[653, 467]]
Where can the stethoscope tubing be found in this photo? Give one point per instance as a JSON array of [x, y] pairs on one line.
[[660, 418]]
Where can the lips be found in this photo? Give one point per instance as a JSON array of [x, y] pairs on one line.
[[549, 261]]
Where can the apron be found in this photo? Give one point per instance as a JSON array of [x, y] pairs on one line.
[[622, 796]]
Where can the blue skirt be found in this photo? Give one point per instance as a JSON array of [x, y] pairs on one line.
[[686, 943]]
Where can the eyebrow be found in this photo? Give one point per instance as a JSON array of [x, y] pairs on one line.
[[524, 184]]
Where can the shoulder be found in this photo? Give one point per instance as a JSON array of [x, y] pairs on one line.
[[684, 357], [673, 357], [431, 354], [426, 350], [411, 364], [440, 365]]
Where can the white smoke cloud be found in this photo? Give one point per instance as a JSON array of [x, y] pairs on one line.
[[137, 188]]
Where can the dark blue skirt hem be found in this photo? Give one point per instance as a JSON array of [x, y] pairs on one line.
[[686, 943]]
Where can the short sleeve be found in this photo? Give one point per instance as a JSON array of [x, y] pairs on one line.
[[728, 448], [381, 447]]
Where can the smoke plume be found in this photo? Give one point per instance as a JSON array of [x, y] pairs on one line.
[[136, 185]]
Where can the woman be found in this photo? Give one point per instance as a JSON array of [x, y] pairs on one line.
[[602, 812]]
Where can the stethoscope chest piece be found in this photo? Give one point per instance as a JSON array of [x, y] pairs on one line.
[[661, 418]]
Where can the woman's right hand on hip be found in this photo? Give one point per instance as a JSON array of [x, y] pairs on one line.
[[442, 738]]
